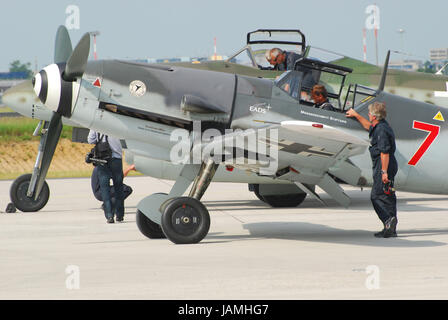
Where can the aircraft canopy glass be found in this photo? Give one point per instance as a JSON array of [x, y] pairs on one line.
[[243, 57], [357, 95], [255, 55], [298, 83], [259, 41]]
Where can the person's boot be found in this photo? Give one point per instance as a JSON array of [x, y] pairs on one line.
[[380, 234], [390, 227], [389, 230], [394, 228]]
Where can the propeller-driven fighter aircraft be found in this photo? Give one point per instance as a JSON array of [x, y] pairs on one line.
[[249, 60], [201, 121]]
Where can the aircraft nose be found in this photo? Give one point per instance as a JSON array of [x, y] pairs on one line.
[[53, 91]]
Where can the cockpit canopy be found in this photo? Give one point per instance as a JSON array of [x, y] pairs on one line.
[[316, 66], [262, 40], [298, 83]]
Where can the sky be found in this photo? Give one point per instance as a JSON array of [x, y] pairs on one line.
[[140, 29]]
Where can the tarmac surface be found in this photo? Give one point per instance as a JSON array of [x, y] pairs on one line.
[[67, 251]]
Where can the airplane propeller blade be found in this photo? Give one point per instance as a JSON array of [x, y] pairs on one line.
[[383, 76], [52, 138], [63, 46], [77, 62], [56, 94]]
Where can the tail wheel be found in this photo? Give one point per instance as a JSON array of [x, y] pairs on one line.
[[20, 199], [185, 220]]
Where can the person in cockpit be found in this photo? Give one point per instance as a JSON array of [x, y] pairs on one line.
[[320, 96], [282, 60]]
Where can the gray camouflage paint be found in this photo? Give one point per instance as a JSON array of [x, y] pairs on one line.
[[167, 85]]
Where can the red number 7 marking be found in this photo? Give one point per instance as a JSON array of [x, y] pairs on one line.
[[433, 133]]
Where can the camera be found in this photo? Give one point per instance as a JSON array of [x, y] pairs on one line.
[[89, 157]]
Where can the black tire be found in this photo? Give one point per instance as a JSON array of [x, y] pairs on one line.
[[21, 201], [185, 220], [165, 204], [285, 201], [279, 201], [149, 228]]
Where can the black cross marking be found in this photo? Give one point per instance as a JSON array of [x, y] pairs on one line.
[[299, 148]]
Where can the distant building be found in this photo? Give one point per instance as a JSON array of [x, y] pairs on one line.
[[181, 59], [406, 65], [438, 55], [165, 60], [13, 75], [218, 58]]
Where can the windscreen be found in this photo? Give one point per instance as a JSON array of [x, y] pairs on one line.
[[260, 41], [243, 57], [324, 55]]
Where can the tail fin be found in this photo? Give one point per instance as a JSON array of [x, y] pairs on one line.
[[383, 76]]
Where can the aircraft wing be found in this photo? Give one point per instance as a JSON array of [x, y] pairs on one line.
[[306, 153]]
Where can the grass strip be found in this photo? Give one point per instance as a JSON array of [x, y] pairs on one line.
[[21, 129]]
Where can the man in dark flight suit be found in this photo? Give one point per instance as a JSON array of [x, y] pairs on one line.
[[385, 167], [282, 60]]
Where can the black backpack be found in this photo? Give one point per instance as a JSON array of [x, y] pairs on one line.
[[102, 149]]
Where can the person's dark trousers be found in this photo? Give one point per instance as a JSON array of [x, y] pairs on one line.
[[127, 191], [385, 205], [113, 169]]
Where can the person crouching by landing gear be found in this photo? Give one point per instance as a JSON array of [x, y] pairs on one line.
[[385, 167], [107, 154]]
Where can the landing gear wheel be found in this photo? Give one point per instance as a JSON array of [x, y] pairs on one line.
[[285, 201], [185, 220], [149, 228], [290, 200], [21, 201]]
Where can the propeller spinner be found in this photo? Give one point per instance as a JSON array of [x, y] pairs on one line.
[[56, 85]]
